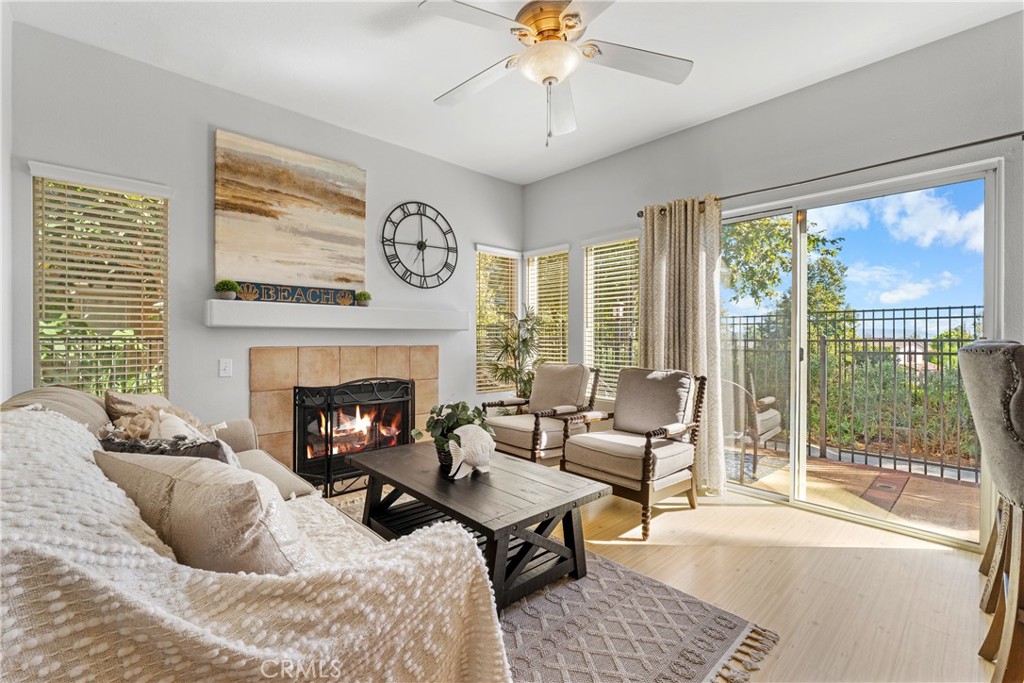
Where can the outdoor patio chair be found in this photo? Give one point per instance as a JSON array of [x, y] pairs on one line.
[[649, 454], [760, 423], [535, 431], [992, 373]]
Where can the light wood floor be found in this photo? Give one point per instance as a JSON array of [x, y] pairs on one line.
[[850, 603]]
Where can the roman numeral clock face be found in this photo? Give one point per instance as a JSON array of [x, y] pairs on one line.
[[420, 245]]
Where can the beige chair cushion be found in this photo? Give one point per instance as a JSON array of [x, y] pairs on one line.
[[622, 453], [517, 430], [768, 420], [81, 407], [557, 384], [214, 516], [624, 482], [648, 399], [286, 481]]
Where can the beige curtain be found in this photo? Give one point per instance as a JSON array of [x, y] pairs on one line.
[[679, 311]]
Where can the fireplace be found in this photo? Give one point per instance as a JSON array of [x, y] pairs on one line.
[[334, 422]]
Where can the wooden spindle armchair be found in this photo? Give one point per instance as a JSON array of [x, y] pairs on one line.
[[644, 457], [535, 430]]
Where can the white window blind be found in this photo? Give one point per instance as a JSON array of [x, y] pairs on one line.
[[547, 280], [497, 295], [100, 288], [610, 323]]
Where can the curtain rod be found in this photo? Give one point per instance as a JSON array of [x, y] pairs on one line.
[[1020, 134]]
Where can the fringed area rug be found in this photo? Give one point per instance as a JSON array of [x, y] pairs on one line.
[[618, 626]]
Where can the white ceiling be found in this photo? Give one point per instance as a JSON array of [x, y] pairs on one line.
[[375, 67]]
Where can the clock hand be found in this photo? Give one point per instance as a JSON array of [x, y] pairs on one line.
[[416, 244]]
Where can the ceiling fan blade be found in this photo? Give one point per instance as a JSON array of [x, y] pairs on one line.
[[563, 113], [470, 14], [636, 61], [478, 82], [587, 9]]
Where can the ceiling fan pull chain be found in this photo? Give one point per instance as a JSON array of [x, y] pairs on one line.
[[547, 141]]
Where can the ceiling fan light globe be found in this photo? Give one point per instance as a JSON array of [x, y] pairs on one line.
[[549, 59]]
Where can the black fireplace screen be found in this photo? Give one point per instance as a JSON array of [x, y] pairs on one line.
[[334, 422]]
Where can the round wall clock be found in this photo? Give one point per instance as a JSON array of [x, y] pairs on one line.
[[419, 245]]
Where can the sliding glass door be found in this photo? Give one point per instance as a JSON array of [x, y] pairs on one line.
[[841, 326], [757, 340]]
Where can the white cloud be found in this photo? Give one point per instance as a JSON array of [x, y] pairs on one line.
[[925, 217], [911, 290], [948, 279], [862, 273], [908, 291], [839, 217], [976, 219], [746, 306]]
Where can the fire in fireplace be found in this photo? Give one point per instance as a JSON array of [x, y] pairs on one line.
[[337, 421]]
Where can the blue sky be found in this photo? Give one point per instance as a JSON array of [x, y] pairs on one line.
[[921, 248]]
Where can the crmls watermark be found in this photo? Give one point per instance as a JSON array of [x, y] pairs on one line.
[[287, 669]]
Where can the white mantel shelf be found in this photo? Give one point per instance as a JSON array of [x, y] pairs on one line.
[[220, 313]]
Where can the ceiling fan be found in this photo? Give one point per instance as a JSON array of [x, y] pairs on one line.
[[551, 30]]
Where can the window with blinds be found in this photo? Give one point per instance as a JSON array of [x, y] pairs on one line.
[[497, 295], [547, 286], [610, 322], [100, 288]]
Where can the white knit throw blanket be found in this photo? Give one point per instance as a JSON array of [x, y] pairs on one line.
[[89, 593]]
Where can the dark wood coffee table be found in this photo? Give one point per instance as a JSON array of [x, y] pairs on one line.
[[511, 510]]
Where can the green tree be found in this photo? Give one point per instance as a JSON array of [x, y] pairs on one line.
[[942, 348], [516, 352], [757, 256]]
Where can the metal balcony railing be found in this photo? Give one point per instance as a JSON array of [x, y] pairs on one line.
[[884, 386]]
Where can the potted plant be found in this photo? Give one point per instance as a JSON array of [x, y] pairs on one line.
[[517, 351], [444, 419], [363, 298], [226, 289]]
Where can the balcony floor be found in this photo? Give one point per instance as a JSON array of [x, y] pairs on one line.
[[943, 506]]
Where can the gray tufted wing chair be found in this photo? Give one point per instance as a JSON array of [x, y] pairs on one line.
[[993, 373]]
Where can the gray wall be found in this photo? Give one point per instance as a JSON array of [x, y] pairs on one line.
[[101, 112], [6, 281], [157, 126], [961, 89]]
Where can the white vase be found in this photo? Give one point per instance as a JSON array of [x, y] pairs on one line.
[[228, 295]]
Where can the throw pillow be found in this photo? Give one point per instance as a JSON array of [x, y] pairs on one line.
[[214, 450], [120, 405], [170, 426], [287, 482], [216, 518], [140, 424]]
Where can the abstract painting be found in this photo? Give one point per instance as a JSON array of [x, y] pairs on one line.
[[285, 217]]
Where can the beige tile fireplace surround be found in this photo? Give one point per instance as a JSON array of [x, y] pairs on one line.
[[274, 371]]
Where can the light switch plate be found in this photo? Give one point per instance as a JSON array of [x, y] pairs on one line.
[[224, 368]]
